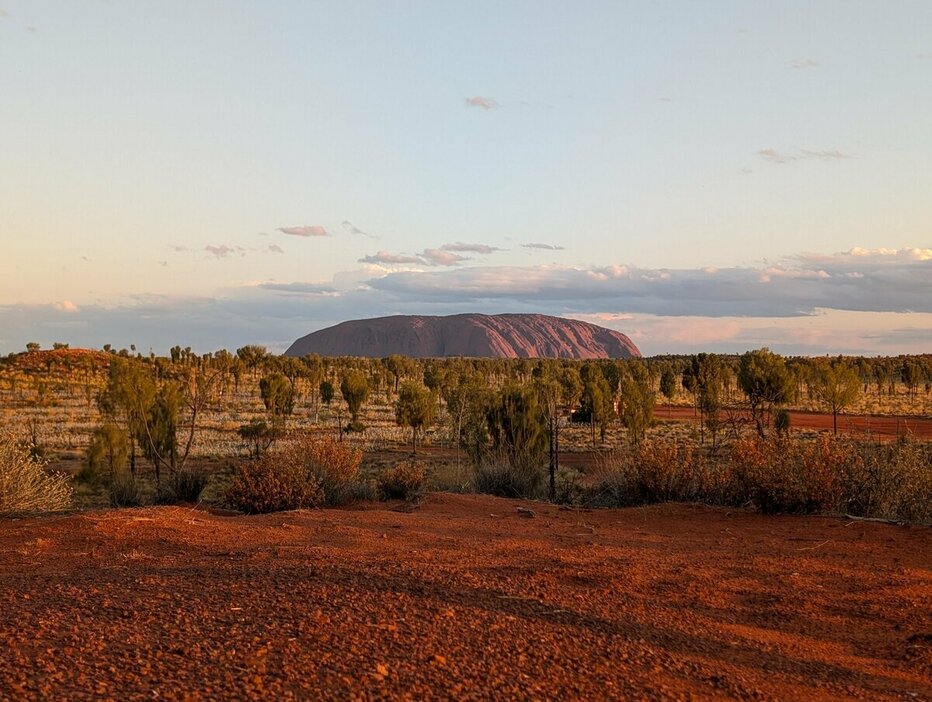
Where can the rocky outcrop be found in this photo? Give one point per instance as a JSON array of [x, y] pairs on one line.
[[469, 335]]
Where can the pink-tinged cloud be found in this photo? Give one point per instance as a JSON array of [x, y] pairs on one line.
[[436, 257], [485, 103], [66, 306], [385, 258], [305, 231]]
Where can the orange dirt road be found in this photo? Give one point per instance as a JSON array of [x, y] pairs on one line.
[[886, 427], [464, 598]]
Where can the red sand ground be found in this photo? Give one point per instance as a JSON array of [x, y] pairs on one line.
[[464, 598], [885, 427]]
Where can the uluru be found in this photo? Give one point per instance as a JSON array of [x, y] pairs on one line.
[[467, 335]]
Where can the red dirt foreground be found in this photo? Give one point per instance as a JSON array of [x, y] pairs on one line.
[[464, 598]]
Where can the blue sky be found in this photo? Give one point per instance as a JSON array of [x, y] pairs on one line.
[[702, 176]]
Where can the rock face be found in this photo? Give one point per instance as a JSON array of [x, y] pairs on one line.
[[470, 335]]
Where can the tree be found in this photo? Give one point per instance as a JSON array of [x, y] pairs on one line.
[[32, 347], [108, 449], [636, 403], [277, 395], [668, 383], [597, 403], [704, 374], [326, 392], [414, 408], [355, 390], [764, 379], [518, 427], [837, 385]]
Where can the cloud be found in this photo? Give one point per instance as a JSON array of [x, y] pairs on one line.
[[353, 229], [300, 288], [385, 258], [436, 257], [857, 280], [856, 301], [221, 251], [460, 247], [544, 247], [305, 231], [485, 103], [832, 155], [66, 306], [775, 156], [275, 248], [802, 64]]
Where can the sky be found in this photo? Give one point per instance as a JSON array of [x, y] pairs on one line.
[[714, 176]]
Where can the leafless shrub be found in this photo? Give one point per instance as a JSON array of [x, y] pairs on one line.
[[25, 484]]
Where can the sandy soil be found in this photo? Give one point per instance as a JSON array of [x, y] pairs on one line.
[[464, 598], [877, 426]]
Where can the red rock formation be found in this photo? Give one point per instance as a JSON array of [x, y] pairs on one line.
[[470, 335]]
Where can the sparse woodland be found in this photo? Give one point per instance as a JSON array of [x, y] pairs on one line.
[[261, 432]]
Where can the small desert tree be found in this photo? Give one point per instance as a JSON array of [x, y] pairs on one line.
[[355, 391], [636, 403], [837, 385], [764, 379], [414, 408]]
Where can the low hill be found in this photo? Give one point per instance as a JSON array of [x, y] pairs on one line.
[[469, 335]]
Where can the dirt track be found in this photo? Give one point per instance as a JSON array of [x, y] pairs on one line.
[[877, 426], [465, 599]]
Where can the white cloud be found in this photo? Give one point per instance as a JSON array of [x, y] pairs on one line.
[[460, 247], [305, 231], [543, 247]]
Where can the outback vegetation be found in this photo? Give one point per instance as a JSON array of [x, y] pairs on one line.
[[259, 432]]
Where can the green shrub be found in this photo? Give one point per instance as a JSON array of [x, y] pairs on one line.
[[404, 481], [25, 485]]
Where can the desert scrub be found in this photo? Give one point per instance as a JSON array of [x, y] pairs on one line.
[[25, 484], [653, 471], [498, 474], [890, 481], [124, 491], [302, 474], [404, 481], [785, 475]]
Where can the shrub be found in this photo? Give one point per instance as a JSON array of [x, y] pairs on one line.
[[782, 475], [404, 481], [890, 481], [303, 474], [25, 485], [124, 491], [654, 471], [184, 486], [497, 475]]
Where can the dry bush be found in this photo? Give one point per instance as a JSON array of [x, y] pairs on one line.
[[785, 475], [302, 474], [124, 491], [404, 481], [185, 486], [25, 485], [496, 474], [890, 481], [654, 471]]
